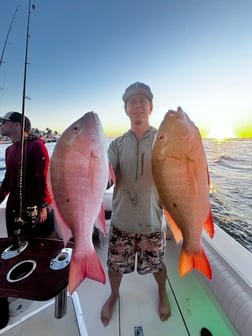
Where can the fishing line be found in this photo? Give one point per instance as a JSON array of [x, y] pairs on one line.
[[7, 35], [6, 40]]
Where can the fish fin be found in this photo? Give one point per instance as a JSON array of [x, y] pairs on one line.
[[177, 234], [190, 261], [192, 173], [100, 222], [208, 177], [63, 228], [112, 177], [87, 267], [208, 226], [91, 170]]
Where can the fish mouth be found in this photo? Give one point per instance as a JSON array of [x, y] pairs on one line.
[[176, 114], [178, 122], [92, 120], [91, 114]]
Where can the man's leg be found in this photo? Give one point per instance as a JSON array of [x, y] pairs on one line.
[[164, 305], [108, 307]]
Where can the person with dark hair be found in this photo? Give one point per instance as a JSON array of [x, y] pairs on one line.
[[37, 219], [137, 226]]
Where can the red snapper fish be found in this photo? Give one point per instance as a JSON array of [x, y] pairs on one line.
[[79, 173], [180, 173]]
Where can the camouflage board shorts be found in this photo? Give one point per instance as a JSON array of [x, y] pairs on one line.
[[125, 246]]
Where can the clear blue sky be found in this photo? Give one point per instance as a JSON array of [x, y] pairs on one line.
[[84, 53]]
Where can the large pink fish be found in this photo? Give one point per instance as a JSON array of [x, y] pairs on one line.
[[181, 176], [79, 173]]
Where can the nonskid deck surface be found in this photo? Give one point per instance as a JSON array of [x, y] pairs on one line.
[[39, 319], [192, 304], [192, 307]]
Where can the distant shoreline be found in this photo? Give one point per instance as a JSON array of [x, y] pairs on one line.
[[53, 138], [5, 140]]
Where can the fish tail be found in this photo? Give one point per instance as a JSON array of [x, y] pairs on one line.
[[189, 261], [87, 267]]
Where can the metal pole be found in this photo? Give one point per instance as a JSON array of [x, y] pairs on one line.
[[61, 304]]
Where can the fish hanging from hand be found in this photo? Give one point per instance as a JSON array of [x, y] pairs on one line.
[[181, 177], [79, 174]]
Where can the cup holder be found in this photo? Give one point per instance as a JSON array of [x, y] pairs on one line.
[[21, 270]]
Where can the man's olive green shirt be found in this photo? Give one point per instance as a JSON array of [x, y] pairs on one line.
[[136, 206]]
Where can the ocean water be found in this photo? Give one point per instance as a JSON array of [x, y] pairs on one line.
[[230, 169]]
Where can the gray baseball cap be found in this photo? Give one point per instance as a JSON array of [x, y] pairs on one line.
[[137, 88], [16, 117]]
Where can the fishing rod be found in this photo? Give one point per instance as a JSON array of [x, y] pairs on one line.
[[7, 35], [18, 220]]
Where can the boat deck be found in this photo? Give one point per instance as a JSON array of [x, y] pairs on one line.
[[193, 307]]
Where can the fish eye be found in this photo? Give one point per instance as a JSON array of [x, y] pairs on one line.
[[161, 137], [76, 128]]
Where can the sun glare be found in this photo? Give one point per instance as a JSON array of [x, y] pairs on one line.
[[221, 133]]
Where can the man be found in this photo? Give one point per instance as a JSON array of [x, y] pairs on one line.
[[37, 220], [136, 222]]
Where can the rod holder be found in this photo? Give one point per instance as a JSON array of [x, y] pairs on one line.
[[62, 260], [10, 252]]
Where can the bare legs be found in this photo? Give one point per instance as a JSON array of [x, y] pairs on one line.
[[164, 305], [108, 307], [115, 281]]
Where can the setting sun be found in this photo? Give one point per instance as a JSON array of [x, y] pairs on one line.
[[221, 132]]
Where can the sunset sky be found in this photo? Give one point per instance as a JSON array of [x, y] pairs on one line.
[[84, 53]]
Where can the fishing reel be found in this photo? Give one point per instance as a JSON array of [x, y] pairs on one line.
[[30, 215]]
